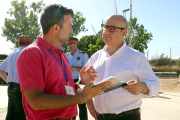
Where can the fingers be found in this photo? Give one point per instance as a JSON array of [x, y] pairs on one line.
[[95, 78], [89, 85], [83, 69], [132, 82], [90, 68], [94, 114], [101, 87]]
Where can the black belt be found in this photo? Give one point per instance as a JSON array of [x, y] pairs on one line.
[[120, 115]]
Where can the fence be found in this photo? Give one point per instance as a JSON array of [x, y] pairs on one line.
[[171, 52]]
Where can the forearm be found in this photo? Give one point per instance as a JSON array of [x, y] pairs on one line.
[[3, 76], [52, 102], [76, 68], [39, 100], [146, 89]]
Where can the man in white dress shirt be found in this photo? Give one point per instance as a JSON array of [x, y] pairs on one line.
[[128, 65]]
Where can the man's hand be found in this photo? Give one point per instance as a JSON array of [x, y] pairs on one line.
[[136, 87], [90, 91], [92, 110], [3, 75], [88, 75]]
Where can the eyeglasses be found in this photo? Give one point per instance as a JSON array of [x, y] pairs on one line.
[[59, 11], [71, 43], [110, 28]]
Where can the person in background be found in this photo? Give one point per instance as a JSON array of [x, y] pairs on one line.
[[77, 59], [15, 109], [44, 73], [126, 64]]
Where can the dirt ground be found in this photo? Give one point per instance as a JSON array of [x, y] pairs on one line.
[[170, 84]]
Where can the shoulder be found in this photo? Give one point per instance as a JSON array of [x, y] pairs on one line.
[[31, 51], [68, 53], [81, 52], [135, 54]]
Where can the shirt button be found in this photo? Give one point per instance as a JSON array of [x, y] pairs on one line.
[[107, 67], [102, 103]]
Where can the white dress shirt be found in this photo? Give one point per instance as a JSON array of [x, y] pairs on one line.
[[125, 64]]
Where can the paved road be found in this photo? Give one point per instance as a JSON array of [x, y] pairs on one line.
[[164, 106]]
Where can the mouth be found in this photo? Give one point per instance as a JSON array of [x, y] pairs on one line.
[[105, 37]]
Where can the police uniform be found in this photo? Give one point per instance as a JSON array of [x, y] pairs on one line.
[[79, 59], [15, 109]]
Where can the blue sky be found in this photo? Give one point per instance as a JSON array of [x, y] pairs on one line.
[[160, 17]]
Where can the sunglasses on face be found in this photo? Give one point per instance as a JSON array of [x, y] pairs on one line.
[[71, 43], [110, 28]]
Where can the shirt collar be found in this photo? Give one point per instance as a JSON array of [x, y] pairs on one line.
[[119, 50], [46, 45], [21, 47], [76, 51]]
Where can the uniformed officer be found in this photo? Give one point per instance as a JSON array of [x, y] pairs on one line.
[[15, 109], [77, 59]]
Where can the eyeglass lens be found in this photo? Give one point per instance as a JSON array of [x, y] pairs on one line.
[[110, 28]]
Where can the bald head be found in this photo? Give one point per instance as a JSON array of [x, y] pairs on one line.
[[121, 19]]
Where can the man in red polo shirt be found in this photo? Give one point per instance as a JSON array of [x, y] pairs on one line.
[[45, 75]]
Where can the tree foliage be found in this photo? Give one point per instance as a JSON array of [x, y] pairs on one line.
[[161, 60], [90, 44], [178, 62], [23, 21], [140, 36], [78, 26]]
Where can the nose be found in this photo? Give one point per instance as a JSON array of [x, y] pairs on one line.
[[71, 29]]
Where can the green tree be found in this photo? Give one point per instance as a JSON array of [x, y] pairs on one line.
[[140, 36], [78, 26], [90, 44], [178, 63], [161, 60], [23, 22]]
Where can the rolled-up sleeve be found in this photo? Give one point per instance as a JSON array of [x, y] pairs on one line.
[[4, 65], [146, 74]]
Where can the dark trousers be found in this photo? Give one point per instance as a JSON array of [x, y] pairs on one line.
[[15, 109], [82, 108], [132, 117]]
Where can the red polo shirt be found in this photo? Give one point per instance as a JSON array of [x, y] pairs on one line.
[[38, 68]]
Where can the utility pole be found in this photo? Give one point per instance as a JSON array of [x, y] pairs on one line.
[[170, 61], [130, 32], [115, 6], [94, 31]]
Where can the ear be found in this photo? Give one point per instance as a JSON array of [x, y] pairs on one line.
[[124, 32], [56, 28]]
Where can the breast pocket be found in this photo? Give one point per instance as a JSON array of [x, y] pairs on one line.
[[78, 62]]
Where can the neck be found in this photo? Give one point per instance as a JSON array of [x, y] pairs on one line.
[[22, 46], [112, 48], [51, 40], [73, 51]]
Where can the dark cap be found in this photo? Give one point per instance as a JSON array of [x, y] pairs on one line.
[[72, 39], [24, 39]]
